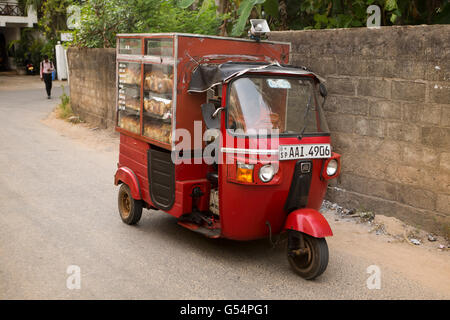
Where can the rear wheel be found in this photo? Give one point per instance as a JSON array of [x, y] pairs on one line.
[[308, 256], [130, 209]]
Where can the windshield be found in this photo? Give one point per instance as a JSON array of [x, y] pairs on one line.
[[274, 103]]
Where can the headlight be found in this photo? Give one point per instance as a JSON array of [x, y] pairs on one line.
[[332, 167], [266, 173]]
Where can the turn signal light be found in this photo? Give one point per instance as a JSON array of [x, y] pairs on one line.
[[244, 173]]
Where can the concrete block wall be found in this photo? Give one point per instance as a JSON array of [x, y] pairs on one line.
[[389, 113], [92, 80]]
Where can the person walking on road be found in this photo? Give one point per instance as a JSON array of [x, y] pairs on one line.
[[46, 74]]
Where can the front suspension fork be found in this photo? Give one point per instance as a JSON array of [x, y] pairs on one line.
[[296, 243]]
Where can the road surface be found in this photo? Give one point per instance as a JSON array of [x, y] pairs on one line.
[[58, 208]]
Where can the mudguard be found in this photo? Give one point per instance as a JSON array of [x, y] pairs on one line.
[[127, 176], [308, 221]]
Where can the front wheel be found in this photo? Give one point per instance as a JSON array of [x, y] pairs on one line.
[[130, 209], [308, 256]]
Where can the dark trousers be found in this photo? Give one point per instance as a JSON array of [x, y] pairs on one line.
[[48, 82]]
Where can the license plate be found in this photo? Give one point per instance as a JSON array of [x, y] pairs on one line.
[[304, 151]]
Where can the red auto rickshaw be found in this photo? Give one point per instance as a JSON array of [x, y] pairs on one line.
[[224, 135]]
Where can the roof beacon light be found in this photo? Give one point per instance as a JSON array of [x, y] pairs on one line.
[[259, 27]]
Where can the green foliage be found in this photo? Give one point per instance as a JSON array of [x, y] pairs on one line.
[[35, 4], [319, 14], [49, 49], [245, 8], [170, 18], [271, 8], [183, 4], [34, 52], [17, 50], [27, 49], [54, 17], [64, 109], [101, 20]]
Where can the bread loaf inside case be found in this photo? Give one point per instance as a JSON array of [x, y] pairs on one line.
[[158, 131], [158, 106], [158, 82], [132, 103], [130, 123]]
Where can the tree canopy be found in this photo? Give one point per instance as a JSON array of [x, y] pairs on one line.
[[101, 20]]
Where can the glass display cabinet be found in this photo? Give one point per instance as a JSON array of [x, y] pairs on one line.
[[153, 74], [145, 88]]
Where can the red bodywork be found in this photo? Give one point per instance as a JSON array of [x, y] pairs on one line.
[[309, 221], [127, 176], [245, 209], [249, 206]]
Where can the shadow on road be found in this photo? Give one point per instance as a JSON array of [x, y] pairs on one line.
[[160, 224]]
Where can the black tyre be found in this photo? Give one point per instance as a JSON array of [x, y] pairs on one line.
[[310, 261], [130, 209]]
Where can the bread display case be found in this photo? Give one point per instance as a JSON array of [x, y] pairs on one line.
[[153, 73], [145, 88]]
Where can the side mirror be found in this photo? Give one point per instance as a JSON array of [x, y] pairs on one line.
[[211, 115], [323, 90]]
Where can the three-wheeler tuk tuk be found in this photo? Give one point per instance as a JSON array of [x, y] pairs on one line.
[[228, 138]]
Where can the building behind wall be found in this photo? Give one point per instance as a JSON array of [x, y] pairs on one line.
[[12, 19]]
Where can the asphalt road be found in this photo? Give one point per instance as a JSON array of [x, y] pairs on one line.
[[58, 207]]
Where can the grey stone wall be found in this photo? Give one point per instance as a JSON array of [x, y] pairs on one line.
[[92, 78], [389, 113]]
